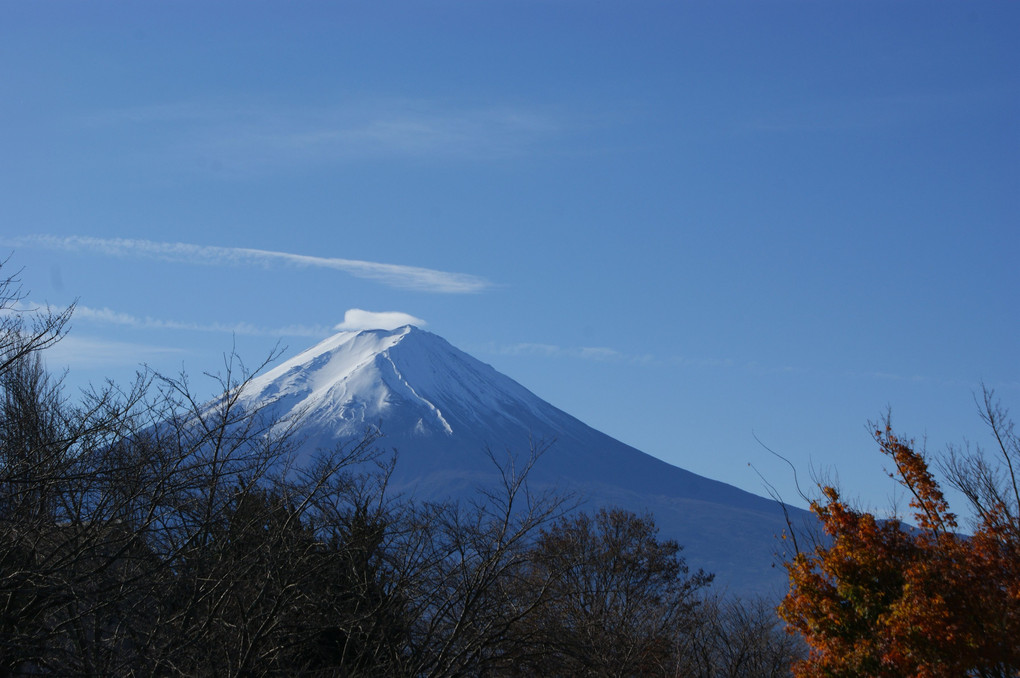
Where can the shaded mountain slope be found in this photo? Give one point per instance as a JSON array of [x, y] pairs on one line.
[[442, 409]]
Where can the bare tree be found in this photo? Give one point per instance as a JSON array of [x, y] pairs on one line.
[[145, 530], [463, 572], [618, 597], [24, 328], [732, 638], [990, 480]]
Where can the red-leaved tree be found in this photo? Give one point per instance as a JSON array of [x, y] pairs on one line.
[[880, 598]]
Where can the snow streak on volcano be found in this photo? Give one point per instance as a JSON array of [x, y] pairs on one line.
[[443, 410]]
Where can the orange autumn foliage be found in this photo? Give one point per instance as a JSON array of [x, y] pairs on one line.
[[880, 598]]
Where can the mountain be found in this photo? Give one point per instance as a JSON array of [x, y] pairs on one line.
[[442, 409]]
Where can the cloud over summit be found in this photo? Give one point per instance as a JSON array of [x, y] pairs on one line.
[[357, 319]]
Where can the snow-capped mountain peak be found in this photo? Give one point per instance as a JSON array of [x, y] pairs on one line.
[[444, 412], [412, 379]]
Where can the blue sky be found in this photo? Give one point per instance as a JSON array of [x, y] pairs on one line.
[[687, 223]]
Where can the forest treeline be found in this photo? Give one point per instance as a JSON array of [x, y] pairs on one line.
[[147, 531]]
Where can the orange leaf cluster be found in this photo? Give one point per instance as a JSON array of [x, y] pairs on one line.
[[880, 598]]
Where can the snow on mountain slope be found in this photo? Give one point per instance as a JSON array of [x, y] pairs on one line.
[[442, 409], [413, 381]]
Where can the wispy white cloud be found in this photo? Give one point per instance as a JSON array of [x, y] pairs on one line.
[[87, 353], [354, 319], [109, 316], [599, 353], [596, 353], [357, 319], [612, 355], [892, 376], [24, 307], [243, 137], [393, 275], [548, 350], [711, 363]]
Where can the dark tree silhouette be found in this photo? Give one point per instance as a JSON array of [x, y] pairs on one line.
[[147, 531], [618, 597]]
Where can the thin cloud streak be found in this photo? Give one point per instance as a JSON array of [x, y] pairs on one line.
[[109, 316], [86, 353], [242, 136], [596, 353], [392, 275], [610, 355]]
